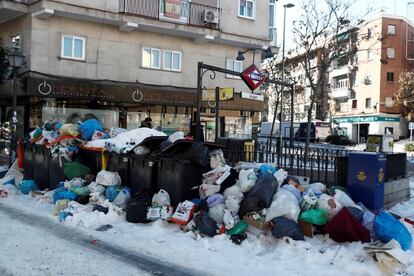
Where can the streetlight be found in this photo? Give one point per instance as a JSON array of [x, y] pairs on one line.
[[16, 60], [267, 53], [286, 6]]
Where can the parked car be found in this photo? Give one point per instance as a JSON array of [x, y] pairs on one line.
[[319, 131], [341, 140]]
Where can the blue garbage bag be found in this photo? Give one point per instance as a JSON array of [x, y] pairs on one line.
[[111, 192], [26, 186], [62, 193], [88, 127], [387, 228]]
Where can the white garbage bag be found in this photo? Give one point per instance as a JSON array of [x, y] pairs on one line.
[[280, 176], [232, 203], [107, 178], [162, 198], [230, 219], [94, 187], [284, 205], [217, 213], [344, 199], [235, 191], [330, 205], [123, 197], [247, 179]]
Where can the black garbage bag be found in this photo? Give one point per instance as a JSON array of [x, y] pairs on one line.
[[206, 225], [229, 181], [260, 196], [283, 227], [136, 210]]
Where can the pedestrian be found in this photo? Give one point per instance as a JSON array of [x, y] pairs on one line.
[[147, 122]]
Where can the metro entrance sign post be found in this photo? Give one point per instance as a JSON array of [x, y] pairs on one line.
[[411, 127], [253, 77]]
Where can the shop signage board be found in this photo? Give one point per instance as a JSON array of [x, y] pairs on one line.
[[366, 119], [252, 96], [253, 77], [209, 95]]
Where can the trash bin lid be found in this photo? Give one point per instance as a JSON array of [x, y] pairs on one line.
[[153, 143]]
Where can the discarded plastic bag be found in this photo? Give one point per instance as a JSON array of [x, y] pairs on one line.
[[14, 171], [317, 188], [80, 191], [26, 186], [330, 205], [284, 227], [136, 210], [88, 127], [315, 216], [284, 205], [344, 199], [230, 219], [217, 213], [280, 176], [234, 191], [217, 159], [112, 192], [232, 203], [75, 169], [247, 179], [107, 178], [206, 225], [162, 198], [96, 188], [387, 228], [69, 130], [123, 197], [308, 200]]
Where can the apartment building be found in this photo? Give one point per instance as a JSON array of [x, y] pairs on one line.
[[124, 60], [364, 81]]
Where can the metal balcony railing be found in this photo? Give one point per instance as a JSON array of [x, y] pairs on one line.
[[185, 13]]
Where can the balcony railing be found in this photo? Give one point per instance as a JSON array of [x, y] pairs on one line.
[[178, 11]]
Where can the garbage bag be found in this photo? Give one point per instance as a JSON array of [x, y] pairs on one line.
[[112, 192], [294, 191], [217, 213], [75, 169], [344, 228], [284, 205], [61, 204], [136, 209], [113, 132], [96, 188], [107, 178], [62, 193], [315, 216], [99, 135], [234, 191], [230, 181], [266, 168], [260, 196], [217, 159], [387, 228], [232, 203], [308, 200], [284, 227], [162, 198], [330, 205], [317, 188], [184, 212], [123, 197], [206, 225], [356, 213], [247, 179], [88, 127], [26, 186], [239, 228], [215, 199], [280, 176], [69, 130], [344, 199], [230, 219], [80, 191], [368, 220]]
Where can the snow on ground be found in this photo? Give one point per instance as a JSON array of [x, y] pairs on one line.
[[27, 250], [212, 256]]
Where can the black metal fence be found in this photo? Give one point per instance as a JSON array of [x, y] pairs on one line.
[[191, 13], [322, 164]]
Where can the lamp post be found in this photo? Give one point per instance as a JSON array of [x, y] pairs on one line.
[[267, 53], [286, 6], [16, 61]]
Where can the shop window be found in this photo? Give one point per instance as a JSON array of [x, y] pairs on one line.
[[391, 29], [354, 104], [390, 53], [368, 103], [16, 43], [172, 60], [73, 47], [389, 130], [234, 65], [247, 8], [390, 76], [151, 58]]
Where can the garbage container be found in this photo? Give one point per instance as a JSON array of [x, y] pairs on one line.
[[90, 158], [56, 174], [41, 166], [366, 174], [29, 160], [180, 169], [118, 163], [142, 169]]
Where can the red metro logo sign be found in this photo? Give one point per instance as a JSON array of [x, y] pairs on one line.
[[253, 77]]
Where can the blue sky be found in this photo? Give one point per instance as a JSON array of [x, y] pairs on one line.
[[398, 7]]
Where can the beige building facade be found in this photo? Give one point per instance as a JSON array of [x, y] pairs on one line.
[[142, 53]]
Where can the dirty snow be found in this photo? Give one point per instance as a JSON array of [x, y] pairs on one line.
[[215, 256]]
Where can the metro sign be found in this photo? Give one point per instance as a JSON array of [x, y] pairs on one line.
[[253, 77]]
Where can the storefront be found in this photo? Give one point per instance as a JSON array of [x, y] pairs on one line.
[[357, 128], [125, 105]]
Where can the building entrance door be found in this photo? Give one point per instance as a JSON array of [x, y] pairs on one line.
[[363, 132]]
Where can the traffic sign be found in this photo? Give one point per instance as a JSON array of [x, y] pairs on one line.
[[253, 77], [411, 125]]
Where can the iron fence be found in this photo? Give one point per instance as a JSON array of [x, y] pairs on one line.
[[190, 13]]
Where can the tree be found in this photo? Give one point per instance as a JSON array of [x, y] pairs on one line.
[[405, 93], [4, 65], [316, 36]]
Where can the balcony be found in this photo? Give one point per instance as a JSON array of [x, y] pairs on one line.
[[341, 93], [12, 9], [176, 11]]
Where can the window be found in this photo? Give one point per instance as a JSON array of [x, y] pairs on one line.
[[341, 82], [391, 29], [369, 33], [354, 104], [390, 53], [388, 130], [172, 60], [390, 76], [272, 22], [234, 65], [368, 103], [151, 58], [247, 8], [16, 43], [389, 102], [369, 55], [73, 47]]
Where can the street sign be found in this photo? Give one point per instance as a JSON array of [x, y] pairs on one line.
[[253, 77], [411, 125], [209, 95]]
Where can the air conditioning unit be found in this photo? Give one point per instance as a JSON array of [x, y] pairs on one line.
[[211, 17]]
